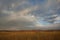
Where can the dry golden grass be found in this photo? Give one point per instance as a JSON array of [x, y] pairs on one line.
[[29, 35]]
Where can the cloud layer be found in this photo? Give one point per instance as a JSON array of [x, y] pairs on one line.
[[29, 14]]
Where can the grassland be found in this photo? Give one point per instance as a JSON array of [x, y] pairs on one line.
[[29, 35]]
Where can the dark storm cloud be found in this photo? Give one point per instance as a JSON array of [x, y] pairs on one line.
[[21, 22]]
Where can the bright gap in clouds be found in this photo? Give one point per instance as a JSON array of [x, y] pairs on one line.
[[29, 14]]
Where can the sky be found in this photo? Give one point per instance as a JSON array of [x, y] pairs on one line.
[[29, 14]]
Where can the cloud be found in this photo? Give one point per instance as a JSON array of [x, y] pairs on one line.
[[16, 21], [20, 22], [49, 27], [25, 15]]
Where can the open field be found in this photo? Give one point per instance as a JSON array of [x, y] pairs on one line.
[[29, 35]]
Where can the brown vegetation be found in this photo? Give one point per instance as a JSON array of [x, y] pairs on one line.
[[29, 35]]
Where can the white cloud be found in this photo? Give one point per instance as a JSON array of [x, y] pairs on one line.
[[16, 4], [57, 18], [58, 0], [50, 27], [27, 10]]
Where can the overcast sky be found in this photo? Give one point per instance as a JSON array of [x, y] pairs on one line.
[[29, 14]]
